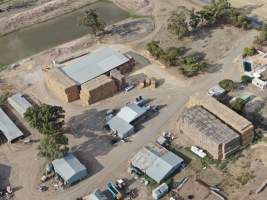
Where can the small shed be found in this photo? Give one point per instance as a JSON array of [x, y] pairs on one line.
[[70, 169], [8, 128], [19, 103], [160, 191], [157, 162]]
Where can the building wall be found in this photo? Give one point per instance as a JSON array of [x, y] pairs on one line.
[[199, 139]]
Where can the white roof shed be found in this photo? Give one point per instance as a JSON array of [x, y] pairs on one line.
[[19, 103], [8, 128]]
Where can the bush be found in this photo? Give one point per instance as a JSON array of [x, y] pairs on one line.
[[172, 56], [246, 79], [154, 49], [227, 84], [249, 51], [238, 105]]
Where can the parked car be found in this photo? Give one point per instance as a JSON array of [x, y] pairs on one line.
[[129, 88]]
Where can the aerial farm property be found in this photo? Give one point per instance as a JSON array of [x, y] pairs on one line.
[[133, 99]]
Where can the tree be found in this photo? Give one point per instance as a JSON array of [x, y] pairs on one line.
[[45, 118], [154, 49], [193, 64], [177, 23], [91, 19], [246, 79], [172, 56], [238, 105], [227, 84], [249, 51], [53, 146]]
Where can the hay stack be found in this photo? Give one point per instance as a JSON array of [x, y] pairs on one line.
[[97, 89]]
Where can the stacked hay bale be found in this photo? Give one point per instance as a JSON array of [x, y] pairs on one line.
[[61, 85], [238, 123], [97, 89], [119, 79], [153, 83], [208, 132]]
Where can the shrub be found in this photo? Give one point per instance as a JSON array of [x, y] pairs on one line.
[[227, 84], [154, 49], [249, 51], [238, 105], [246, 79]]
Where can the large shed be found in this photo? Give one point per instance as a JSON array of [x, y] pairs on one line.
[[19, 103], [8, 128], [70, 169], [235, 121], [156, 162], [205, 130], [96, 195], [93, 65]]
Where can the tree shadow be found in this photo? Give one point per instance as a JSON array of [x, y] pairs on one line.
[[140, 60], [248, 9], [5, 172], [203, 33], [213, 68]]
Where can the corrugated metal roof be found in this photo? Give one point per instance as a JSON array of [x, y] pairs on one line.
[[122, 127], [131, 112], [93, 65], [68, 166], [156, 162], [19, 103], [121, 122], [8, 128]]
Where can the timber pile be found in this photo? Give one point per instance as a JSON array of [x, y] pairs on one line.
[[238, 123], [61, 85], [97, 89]]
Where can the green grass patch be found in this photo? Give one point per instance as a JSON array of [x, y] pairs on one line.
[[3, 98], [133, 15], [3, 67]]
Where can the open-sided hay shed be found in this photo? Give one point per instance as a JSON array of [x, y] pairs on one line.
[[97, 89], [238, 123], [61, 85], [205, 130]]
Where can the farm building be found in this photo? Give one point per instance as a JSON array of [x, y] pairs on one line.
[[205, 130], [19, 103], [239, 124], [122, 123], [8, 128], [66, 81], [156, 162], [70, 169]]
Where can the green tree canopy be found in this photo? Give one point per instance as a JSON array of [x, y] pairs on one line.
[[227, 84], [53, 146], [238, 105], [249, 51], [45, 118], [177, 23], [91, 19], [154, 49], [246, 79]]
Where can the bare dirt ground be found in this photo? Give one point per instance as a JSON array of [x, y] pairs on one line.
[[85, 132], [256, 8]]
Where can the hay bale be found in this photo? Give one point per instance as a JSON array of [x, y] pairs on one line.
[[61, 85], [97, 89]]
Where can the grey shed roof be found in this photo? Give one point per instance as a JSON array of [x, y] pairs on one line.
[[121, 122], [93, 65], [19, 103], [156, 162], [131, 112], [97, 195], [68, 167], [8, 128], [120, 126]]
